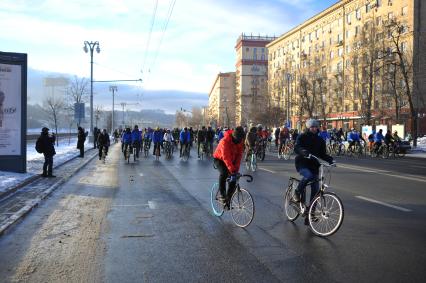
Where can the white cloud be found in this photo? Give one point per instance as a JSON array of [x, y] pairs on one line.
[[198, 44]]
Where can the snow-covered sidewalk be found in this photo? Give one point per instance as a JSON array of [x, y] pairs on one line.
[[64, 152]]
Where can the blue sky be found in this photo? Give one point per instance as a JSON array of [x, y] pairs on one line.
[[198, 43]]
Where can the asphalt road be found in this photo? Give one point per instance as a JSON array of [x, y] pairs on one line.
[[151, 221]]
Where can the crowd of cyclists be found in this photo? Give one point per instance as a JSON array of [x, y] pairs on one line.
[[258, 139]]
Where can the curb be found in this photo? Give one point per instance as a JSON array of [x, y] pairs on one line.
[[33, 203], [31, 179]]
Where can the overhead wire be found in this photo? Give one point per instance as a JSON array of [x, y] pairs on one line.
[[169, 14], [149, 35]]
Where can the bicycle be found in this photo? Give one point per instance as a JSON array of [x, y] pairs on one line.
[[286, 151], [355, 150], [146, 146], [127, 154], [381, 151], [157, 151], [185, 153], [251, 162], [103, 155], [135, 149], [168, 149], [325, 213], [241, 203], [260, 152]]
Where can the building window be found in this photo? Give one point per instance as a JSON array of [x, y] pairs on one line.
[[390, 16], [339, 67], [378, 3], [348, 49], [348, 63], [348, 18], [356, 30], [358, 14], [340, 52], [367, 8], [390, 2], [348, 34], [247, 49], [378, 21], [403, 46], [404, 11], [331, 54]]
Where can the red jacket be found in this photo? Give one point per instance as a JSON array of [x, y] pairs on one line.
[[229, 152]]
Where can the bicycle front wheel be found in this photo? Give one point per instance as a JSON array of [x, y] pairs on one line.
[[325, 214], [242, 208], [217, 205], [253, 163], [290, 206]]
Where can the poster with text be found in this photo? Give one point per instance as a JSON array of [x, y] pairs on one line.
[[10, 109]]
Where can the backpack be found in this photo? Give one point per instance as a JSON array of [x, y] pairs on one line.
[[39, 146]]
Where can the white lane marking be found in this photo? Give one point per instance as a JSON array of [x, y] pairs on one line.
[[270, 171], [152, 204], [386, 173], [384, 204], [415, 166], [126, 205]]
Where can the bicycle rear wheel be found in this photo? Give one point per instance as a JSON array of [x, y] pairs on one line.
[[287, 153], [253, 162], [325, 214], [217, 206], [290, 206], [242, 208]]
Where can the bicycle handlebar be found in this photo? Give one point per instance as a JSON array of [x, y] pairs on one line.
[[238, 175], [310, 156]]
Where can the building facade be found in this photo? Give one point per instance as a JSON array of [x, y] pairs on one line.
[[251, 76], [344, 65], [222, 101]]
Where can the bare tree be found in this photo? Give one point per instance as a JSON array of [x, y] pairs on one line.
[[77, 92], [403, 59], [53, 107], [197, 117], [368, 51], [181, 119]]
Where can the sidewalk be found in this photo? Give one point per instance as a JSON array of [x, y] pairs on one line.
[[30, 193], [10, 182]]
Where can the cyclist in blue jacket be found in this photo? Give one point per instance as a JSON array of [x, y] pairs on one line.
[[353, 138], [157, 138], [127, 140], [184, 139], [136, 139], [378, 139]]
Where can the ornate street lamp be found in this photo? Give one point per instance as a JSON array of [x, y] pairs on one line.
[[90, 46]]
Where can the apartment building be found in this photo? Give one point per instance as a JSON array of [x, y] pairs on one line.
[[251, 76], [222, 101], [343, 65]]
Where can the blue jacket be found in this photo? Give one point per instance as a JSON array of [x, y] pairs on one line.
[[127, 137], [184, 137], [325, 135], [353, 136], [220, 136], [157, 136], [378, 137], [136, 136]]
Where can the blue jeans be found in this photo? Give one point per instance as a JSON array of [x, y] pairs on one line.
[[308, 176]]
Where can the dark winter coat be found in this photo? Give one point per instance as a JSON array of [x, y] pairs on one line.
[[47, 144], [201, 135], [310, 143], [103, 139], [81, 138]]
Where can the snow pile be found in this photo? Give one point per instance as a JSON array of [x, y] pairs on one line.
[[35, 160]]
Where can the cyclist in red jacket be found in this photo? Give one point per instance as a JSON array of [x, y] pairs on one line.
[[227, 159]]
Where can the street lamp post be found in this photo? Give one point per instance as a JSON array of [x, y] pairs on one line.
[[112, 88], [90, 46], [288, 99]]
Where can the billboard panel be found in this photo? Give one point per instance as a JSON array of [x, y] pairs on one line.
[[13, 111]]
